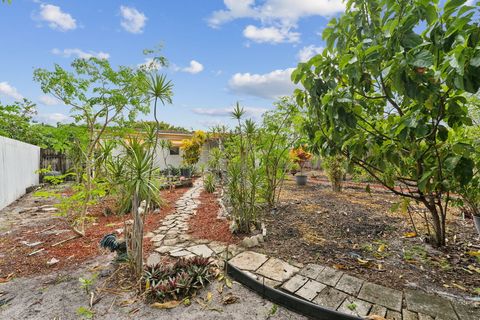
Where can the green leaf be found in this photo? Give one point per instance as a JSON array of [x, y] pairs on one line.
[[464, 170], [423, 59]]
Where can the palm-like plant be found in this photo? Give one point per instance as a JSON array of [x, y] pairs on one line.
[[142, 183], [159, 89]]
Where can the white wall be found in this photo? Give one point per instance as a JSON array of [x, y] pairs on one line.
[[18, 163], [177, 160]]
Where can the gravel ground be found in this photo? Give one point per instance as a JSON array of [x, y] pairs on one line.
[[59, 296]]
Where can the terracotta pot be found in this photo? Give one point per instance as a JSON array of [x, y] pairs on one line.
[[301, 179], [476, 220]]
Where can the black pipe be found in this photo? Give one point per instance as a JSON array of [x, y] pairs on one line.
[[304, 307]]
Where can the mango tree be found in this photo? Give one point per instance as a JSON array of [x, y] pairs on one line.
[[388, 92]]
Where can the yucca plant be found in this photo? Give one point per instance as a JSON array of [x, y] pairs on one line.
[[209, 183], [142, 184]]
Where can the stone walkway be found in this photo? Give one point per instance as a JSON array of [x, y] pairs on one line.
[[172, 238], [325, 286]]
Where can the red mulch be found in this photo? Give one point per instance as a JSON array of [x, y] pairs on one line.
[[206, 225], [14, 259]]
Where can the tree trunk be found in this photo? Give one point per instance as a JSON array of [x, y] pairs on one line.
[[137, 237], [438, 215]]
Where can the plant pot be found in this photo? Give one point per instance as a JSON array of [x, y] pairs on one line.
[[301, 179], [186, 172], [476, 220]]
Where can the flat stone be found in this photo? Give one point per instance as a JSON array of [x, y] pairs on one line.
[[153, 259], [381, 295], [393, 315], [349, 284], [294, 283], [409, 315], [149, 235], [378, 311], [277, 269], [466, 312], [184, 237], [180, 253], [355, 307], [312, 270], [329, 276], [422, 316], [264, 280], [330, 298], [218, 248], [310, 290], [201, 241], [428, 304], [248, 260], [158, 237], [170, 242], [164, 249], [201, 250]]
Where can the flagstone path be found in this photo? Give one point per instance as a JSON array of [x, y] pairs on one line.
[[322, 285]]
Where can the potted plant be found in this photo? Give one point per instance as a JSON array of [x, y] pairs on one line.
[[300, 157]]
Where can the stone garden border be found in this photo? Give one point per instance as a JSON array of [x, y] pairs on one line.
[[286, 300]]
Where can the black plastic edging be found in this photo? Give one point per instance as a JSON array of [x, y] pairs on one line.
[[286, 300]]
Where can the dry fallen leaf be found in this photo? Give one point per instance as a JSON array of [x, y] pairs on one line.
[[166, 305], [473, 268], [209, 296], [228, 282], [381, 248], [474, 253], [409, 234]]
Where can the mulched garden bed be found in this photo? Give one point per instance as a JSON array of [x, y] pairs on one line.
[[15, 260], [357, 231], [206, 225]]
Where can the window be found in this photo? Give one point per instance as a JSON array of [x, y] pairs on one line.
[[174, 151]]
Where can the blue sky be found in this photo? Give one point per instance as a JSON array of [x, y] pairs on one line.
[[219, 52]]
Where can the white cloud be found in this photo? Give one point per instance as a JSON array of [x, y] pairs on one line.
[[69, 52], [277, 17], [52, 118], [49, 100], [308, 52], [133, 20], [193, 68], [227, 112], [7, 90], [269, 86], [270, 34], [286, 12], [56, 18]]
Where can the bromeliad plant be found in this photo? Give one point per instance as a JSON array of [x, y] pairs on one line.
[[174, 282]]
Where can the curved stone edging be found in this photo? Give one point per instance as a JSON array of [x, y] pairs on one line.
[[286, 300]]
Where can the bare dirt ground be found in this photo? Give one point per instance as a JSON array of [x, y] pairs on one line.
[[356, 231], [59, 296], [31, 289], [31, 224]]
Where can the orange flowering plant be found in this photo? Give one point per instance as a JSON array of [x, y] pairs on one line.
[[300, 156]]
